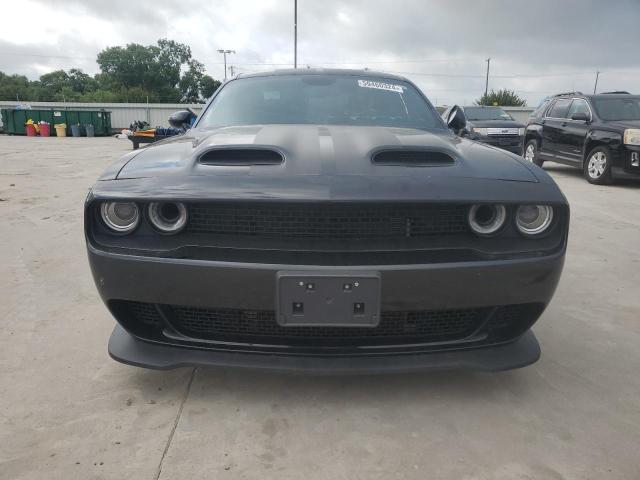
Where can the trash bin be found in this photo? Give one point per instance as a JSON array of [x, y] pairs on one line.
[[45, 130], [90, 130], [75, 130], [61, 129], [31, 129]]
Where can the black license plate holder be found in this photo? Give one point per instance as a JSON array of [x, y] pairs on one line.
[[322, 299]]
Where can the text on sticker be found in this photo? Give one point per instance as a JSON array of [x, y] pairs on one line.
[[380, 86]]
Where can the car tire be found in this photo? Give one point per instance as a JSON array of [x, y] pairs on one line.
[[597, 166], [531, 153]]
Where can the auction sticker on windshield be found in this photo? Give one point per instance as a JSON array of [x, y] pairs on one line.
[[380, 86]]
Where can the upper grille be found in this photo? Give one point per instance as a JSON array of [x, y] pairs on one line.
[[327, 221]]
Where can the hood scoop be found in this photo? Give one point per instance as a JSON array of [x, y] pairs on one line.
[[413, 158], [241, 157]]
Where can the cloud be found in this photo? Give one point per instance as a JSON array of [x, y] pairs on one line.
[[537, 48]]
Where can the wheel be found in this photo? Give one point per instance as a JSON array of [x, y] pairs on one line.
[[597, 166], [531, 153]]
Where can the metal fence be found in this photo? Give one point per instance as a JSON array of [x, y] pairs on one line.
[[156, 114]]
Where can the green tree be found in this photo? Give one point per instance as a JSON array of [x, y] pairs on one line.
[[52, 84], [208, 85], [17, 87], [503, 98], [189, 84], [133, 65], [165, 72], [81, 82], [151, 68]]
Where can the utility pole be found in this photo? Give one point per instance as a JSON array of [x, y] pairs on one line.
[[295, 33], [486, 83], [596, 84], [224, 53], [231, 70]]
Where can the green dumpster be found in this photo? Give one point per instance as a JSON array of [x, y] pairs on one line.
[[13, 120]]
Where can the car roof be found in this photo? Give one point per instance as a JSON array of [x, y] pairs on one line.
[[597, 95], [323, 71]]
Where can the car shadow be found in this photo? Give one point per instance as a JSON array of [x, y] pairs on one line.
[[567, 171], [252, 387]]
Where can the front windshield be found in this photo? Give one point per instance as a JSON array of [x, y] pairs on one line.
[[486, 113], [319, 99], [627, 108]]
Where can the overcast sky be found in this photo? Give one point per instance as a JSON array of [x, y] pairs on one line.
[[537, 47]]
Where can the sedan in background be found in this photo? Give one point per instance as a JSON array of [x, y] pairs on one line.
[[493, 126]]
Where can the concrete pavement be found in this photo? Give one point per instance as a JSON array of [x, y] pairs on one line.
[[68, 411]]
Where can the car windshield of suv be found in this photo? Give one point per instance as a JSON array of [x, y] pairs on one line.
[[486, 113], [320, 99], [627, 108]]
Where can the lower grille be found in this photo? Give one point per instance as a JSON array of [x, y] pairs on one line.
[[396, 327], [146, 313], [260, 326], [416, 325]]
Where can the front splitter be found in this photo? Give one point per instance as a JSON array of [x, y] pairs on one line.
[[127, 349]]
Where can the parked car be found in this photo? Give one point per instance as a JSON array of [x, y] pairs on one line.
[[491, 125], [599, 134], [324, 220]]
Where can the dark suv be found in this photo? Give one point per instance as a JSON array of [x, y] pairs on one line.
[[598, 133]]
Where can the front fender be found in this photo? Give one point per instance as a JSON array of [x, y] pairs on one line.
[[610, 139]]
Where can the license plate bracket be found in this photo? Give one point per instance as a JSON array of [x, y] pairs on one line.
[[336, 299]]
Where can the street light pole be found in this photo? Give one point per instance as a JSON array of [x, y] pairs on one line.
[[486, 83], [224, 53], [295, 33]]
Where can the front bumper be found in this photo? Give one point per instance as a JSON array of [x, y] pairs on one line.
[[511, 144], [129, 350], [433, 287]]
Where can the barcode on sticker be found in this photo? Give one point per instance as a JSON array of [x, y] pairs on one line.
[[380, 86]]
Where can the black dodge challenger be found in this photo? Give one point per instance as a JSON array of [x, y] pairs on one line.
[[327, 221]]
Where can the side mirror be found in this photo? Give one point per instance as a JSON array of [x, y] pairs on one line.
[[182, 119], [581, 116], [456, 119]]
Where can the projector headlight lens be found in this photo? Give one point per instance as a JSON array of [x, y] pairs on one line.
[[168, 217], [534, 219], [486, 220], [121, 217]]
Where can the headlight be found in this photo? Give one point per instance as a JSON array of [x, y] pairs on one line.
[[534, 219], [168, 217], [486, 220], [121, 217], [632, 136], [480, 131], [521, 132]]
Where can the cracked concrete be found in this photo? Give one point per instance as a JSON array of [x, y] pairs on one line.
[[68, 411]]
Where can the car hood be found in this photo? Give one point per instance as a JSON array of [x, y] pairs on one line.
[[328, 151], [495, 124]]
